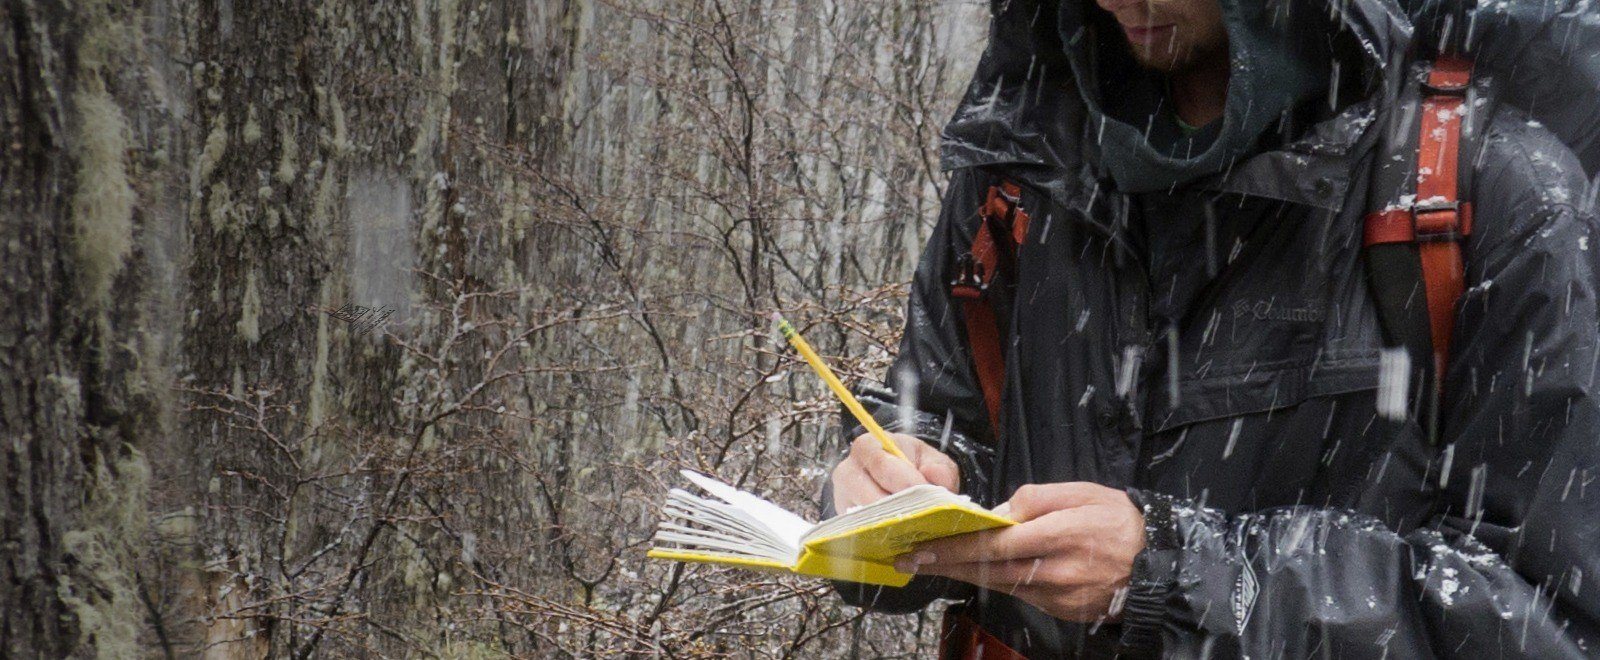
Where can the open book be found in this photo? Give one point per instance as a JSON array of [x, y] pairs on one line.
[[740, 529]]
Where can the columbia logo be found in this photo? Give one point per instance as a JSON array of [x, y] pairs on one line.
[[1268, 310]]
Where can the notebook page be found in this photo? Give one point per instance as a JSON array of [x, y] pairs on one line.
[[786, 526], [723, 520], [905, 502]]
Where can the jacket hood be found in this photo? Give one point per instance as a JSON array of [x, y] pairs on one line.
[[1279, 56], [1035, 98]]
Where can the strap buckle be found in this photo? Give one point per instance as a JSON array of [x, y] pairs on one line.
[[1454, 90], [969, 281], [1011, 194], [1000, 209], [1436, 220]]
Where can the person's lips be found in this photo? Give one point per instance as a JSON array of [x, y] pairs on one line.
[[1146, 34]]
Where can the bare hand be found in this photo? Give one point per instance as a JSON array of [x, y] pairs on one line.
[[869, 473], [1071, 556]]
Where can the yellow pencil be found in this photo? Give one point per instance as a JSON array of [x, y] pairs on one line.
[[799, 344]]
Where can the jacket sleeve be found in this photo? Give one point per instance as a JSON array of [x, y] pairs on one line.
[[933, 362], [1506, 565]]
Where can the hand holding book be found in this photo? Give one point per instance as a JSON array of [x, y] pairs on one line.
[[1070, 553], [736, 528], [893, 491], [886, 506]]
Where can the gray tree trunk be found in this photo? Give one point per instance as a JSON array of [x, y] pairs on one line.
[[79, 399], [569, 220]]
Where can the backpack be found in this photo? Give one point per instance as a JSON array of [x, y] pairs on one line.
[[1417, 239], [1543, 57]]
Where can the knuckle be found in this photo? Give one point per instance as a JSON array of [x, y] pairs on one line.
[[1043, 572], [1086, 489], [1059, 574], [910, 445], [1028, 495], [1070, 488]]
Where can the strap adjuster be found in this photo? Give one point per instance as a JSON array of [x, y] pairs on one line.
[[1437, 226], [1459, 91], [1429, 222], [1433, 205], [969, 281], [1437, 220]]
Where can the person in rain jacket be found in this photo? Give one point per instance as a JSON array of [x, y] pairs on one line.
[[1191, 434]]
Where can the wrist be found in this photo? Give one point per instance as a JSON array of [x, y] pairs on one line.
[[1153, 575]]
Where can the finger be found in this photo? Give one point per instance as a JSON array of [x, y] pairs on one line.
[[1034, 500], [890, 473], [996, 575], [1026, 540], [1018, 542], [853, 487], [941, 471], [935, 467], [909, 445]]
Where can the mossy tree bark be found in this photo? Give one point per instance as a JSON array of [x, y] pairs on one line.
[[78, 397], [579, 213]]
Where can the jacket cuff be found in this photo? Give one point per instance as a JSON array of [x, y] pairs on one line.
[[1154, 573]]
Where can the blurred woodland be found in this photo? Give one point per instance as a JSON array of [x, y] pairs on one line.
[[569, 220]]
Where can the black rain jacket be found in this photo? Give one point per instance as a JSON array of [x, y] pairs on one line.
[[1228, 372]]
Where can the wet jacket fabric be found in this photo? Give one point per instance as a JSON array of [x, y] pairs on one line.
[[1214, 348]]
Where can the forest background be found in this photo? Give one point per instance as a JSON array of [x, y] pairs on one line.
[[567, 221]]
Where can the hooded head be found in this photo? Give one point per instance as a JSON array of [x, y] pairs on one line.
[[1065, 80], [1125, 54]]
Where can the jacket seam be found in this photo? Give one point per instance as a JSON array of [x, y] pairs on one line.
[[1287, 365]]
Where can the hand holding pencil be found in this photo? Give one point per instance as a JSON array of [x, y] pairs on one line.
[[869, 474]]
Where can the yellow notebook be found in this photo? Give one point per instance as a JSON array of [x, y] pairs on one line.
[[739, 529]]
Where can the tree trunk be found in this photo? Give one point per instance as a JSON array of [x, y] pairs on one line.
[[78, 400], [346, 329]]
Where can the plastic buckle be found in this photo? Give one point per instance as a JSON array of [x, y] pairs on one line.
[[1013, 200], [969, 282], [1436, 221], [1458, 91]]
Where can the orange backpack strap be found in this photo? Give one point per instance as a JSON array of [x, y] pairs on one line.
[[961, 638], [1438, 220], [994, 248]]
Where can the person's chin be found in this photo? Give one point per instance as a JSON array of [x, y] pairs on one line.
[[1159, 60]]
